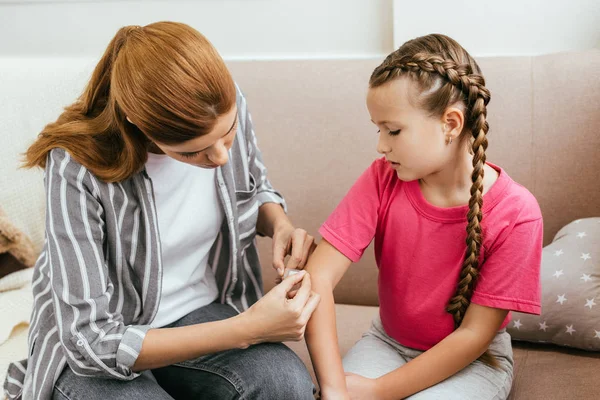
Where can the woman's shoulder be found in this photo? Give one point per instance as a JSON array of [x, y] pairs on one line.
[[60, 161], [61, 166]]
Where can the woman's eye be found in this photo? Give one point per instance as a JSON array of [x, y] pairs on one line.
[[189, 155]]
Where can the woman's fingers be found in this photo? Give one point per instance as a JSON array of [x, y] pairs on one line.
[[298, 239]]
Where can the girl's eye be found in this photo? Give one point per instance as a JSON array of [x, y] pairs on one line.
[[189, 155], [392, 133]]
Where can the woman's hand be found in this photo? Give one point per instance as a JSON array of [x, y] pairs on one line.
[[277, 318], [295, 242]]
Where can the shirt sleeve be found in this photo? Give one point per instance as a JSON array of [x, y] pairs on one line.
[[95, 340], [352, 225], [265, 193], [510, 274]]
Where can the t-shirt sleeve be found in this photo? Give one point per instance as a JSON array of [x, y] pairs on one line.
[[351, 226], [510, 275]]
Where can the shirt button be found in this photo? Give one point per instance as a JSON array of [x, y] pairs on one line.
[[230, 219], [80, 342]]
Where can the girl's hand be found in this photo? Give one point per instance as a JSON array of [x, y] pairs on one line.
[[361, 388], [295, 242], [334, 394], [277, 318]]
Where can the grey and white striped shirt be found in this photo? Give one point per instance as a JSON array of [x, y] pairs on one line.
[[97, 282]]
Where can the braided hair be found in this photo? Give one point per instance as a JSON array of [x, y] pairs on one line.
[[446, 74]]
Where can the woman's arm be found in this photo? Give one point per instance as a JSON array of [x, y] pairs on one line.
[[273, 222], [328, 266], [271, 218], [273, 318], [445, 359], [94, 337]]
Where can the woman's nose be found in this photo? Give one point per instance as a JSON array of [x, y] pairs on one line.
[[220, 154]]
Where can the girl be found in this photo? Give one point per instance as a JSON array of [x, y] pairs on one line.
[[440, 331], [155, 192]]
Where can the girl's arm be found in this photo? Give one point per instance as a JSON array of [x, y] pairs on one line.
[[445, 359], [328, 266]]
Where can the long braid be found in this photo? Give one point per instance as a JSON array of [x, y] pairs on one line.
[[472, 91]]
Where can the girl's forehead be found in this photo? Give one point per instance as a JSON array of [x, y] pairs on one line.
[[393, 96]]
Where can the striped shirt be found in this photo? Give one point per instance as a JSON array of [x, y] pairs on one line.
[[97, 282]]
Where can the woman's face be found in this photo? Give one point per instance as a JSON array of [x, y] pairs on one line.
[[207, 151]]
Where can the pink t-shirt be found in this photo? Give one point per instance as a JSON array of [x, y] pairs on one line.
[[420, 249]]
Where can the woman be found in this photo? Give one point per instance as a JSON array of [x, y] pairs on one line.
[[150, 275]]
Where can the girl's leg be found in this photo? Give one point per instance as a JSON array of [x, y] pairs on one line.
[[374, 355], [477, 381], [377, 354]]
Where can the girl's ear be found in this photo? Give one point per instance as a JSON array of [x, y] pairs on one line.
[[454, 122]]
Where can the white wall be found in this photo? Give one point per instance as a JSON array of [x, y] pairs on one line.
[[503, 27], [238, 28], [259, 29]]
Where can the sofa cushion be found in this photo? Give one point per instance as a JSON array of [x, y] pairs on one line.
[[544, 372], [16, 249], [570, 291], [33, 93]]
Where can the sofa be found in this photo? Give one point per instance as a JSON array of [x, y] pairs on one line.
[[316, 137]]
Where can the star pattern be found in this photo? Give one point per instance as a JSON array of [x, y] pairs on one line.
[[590, 303], [518, 324], [558, 273], [570, 288]]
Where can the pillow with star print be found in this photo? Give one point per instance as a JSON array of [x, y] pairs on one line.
[[570, 291]]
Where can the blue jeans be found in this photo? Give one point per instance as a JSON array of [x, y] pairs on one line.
[[264, 371]]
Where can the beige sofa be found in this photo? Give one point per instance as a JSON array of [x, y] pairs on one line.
[[544, 115], [316, 137]]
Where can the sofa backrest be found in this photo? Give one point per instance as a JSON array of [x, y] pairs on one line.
[[316, 137]]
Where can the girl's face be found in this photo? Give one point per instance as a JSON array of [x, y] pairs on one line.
[[413, 142], [210, 150]]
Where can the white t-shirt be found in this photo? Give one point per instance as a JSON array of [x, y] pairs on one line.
[[189, 218]]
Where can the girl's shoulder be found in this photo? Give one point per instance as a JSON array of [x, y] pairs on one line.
[[383, 172], [514, 207], [517, 201]]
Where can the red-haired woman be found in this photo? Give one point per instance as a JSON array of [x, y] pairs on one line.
[[149, 275]]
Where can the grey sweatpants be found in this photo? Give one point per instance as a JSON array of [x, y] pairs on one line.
[[377, 354]]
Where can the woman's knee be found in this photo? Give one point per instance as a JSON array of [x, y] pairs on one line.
[[74, 387], [279, 374]]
